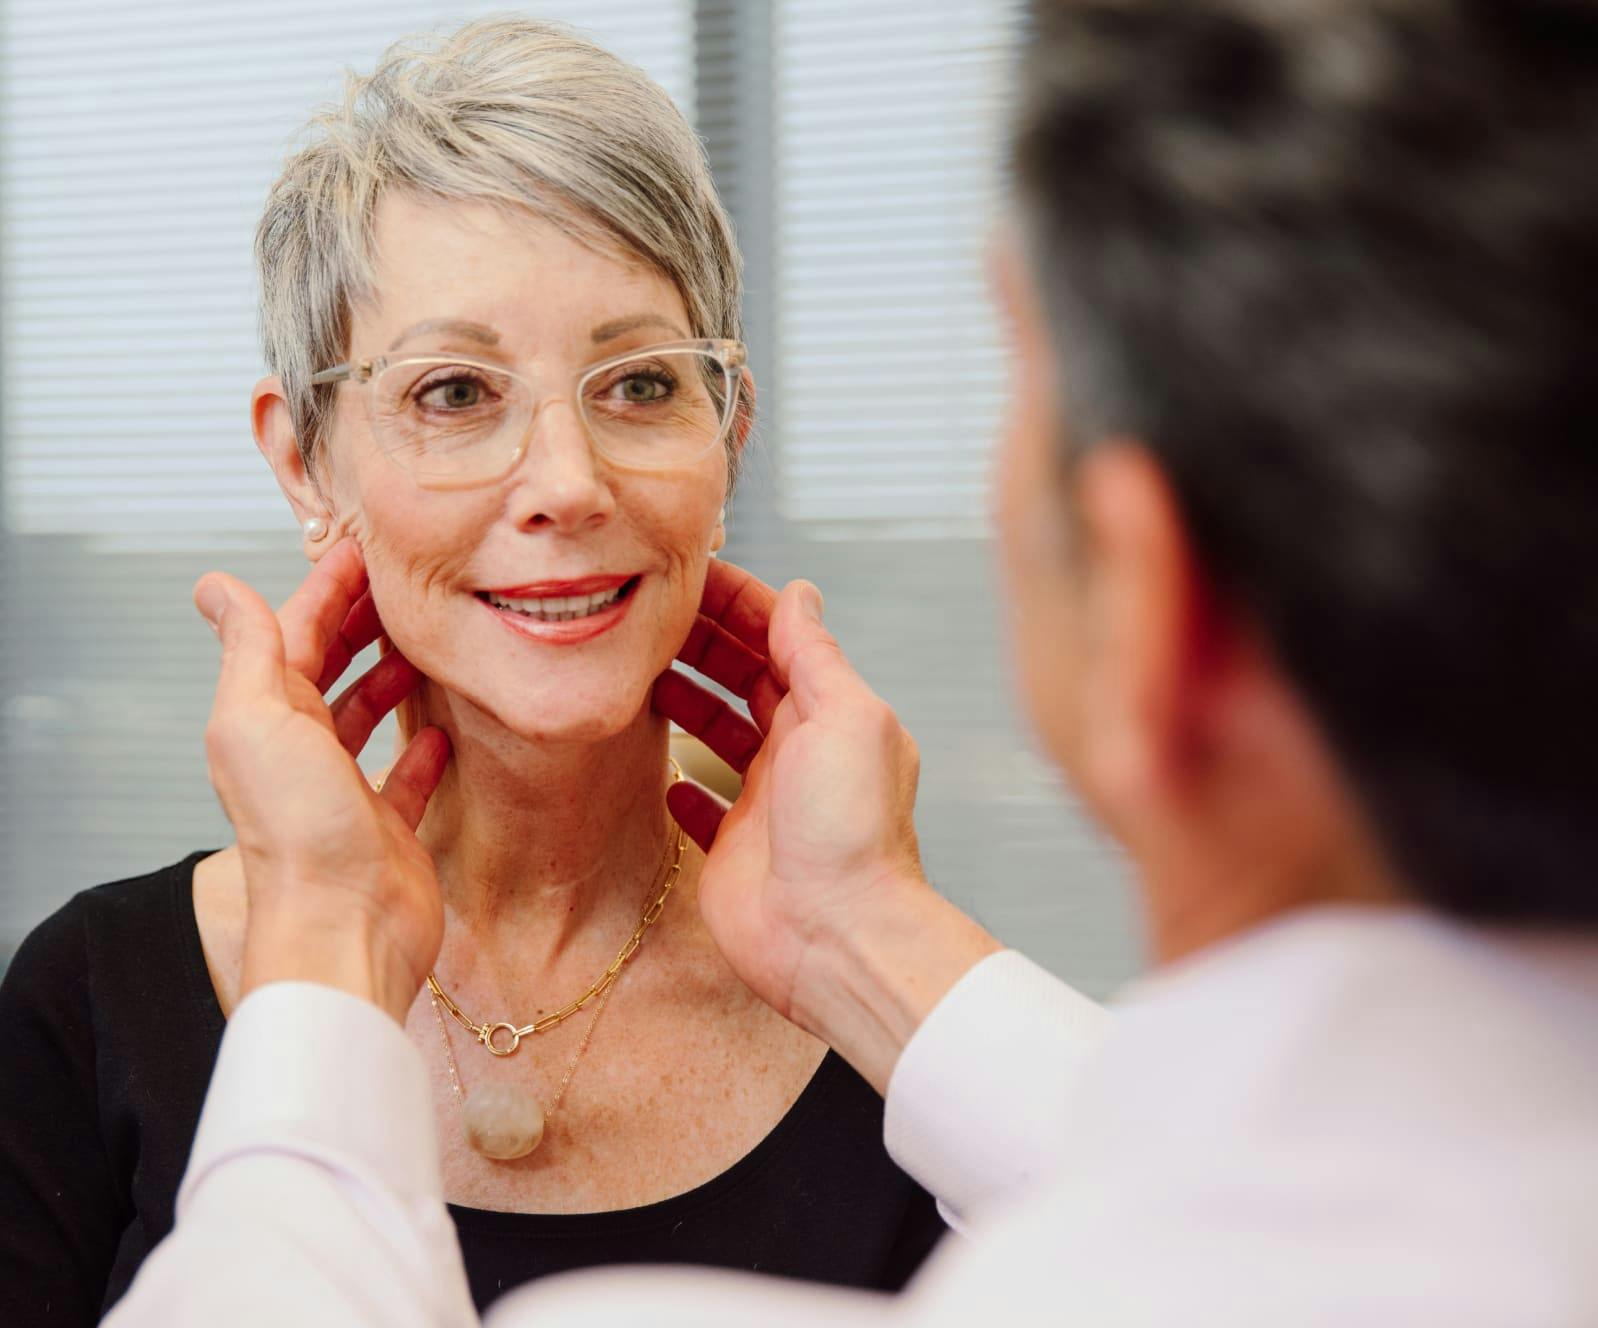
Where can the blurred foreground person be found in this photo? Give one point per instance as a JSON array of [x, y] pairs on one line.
[[1297, 508]]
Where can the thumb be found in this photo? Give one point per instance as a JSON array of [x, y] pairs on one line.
[[252, 640], [210, 598], [805, 656]]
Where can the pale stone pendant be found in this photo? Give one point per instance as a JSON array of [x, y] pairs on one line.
[[503, 1122]]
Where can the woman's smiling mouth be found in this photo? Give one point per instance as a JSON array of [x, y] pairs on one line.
[[565, 612]]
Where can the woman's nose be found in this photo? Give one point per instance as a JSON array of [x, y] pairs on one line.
[[560, 481]]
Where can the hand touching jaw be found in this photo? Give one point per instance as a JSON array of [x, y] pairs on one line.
[[339, 890], [813, 887]]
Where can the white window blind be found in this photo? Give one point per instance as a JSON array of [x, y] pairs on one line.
[[137, 143], [888, 121], [886, 162]]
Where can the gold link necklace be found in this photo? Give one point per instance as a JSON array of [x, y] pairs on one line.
[[486, 1033]]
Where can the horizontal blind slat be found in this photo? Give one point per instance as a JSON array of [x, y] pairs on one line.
[[886, 128]]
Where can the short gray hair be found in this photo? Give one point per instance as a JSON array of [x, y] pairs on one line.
[[508, 111]]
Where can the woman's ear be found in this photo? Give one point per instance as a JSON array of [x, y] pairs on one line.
[[273, 425]]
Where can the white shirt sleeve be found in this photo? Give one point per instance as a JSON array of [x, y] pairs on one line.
[[314, 1192], [976, 1106]]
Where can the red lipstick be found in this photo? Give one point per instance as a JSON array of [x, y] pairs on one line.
[[587, 585], [567, 631]]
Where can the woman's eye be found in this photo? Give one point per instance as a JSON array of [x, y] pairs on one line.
[[640, 388], [457, 394]]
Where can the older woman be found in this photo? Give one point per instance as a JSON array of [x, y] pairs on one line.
[[500, 300]]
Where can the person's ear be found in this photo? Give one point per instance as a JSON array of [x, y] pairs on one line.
[[1155, 633], [273, 425]]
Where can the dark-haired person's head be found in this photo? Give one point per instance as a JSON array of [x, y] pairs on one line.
[[1300, 496]]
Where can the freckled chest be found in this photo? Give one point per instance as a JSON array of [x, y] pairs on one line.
[[659, 1103]]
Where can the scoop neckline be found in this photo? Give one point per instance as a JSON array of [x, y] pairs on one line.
[[610, 1221]]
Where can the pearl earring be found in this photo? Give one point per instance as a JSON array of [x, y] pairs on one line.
[[316, 529]]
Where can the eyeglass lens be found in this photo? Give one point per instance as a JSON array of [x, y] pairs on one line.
[[455, 423]]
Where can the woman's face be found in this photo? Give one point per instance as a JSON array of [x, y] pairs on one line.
[[565, 522]]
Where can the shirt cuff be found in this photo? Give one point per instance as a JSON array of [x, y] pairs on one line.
[[976, 1105], [313, 1071]]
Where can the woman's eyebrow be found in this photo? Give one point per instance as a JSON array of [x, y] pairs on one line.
[[460, 327], [621, 326]]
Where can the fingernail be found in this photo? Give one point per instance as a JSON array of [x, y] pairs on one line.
[[813, 603], [212, 602]]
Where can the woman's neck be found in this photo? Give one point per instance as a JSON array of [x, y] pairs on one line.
[[540, 844]]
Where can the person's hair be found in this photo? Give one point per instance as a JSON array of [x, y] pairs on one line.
[[511, 112], [1335, 264]]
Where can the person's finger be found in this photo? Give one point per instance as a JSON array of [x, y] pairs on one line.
[[361, 706], [313, 614], [252, 669], [738, 602], [724, 659], [708, 718], [720, 655], [697, 810], [807, 657], [411, 780], [763, 699], [361, 627]]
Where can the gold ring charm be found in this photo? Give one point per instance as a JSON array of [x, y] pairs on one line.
[[486, 1037]]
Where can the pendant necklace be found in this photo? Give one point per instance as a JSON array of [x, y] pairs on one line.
[[501, 1121], [504, 1121]]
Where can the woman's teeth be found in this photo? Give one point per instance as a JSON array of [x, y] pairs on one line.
[[557, 609]]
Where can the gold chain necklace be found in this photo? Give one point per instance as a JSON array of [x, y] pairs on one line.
[[502, 1121], [485, 1033]]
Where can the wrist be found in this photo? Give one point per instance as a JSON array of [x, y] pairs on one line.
[[870, 981], [345, 952]]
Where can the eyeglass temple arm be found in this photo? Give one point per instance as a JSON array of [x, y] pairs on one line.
[[337, 374]]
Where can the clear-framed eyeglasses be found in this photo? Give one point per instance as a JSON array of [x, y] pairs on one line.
[[455, 422]]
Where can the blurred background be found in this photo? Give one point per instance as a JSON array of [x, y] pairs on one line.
[[856, 143]]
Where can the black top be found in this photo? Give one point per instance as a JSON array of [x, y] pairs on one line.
[[109, 1028]]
